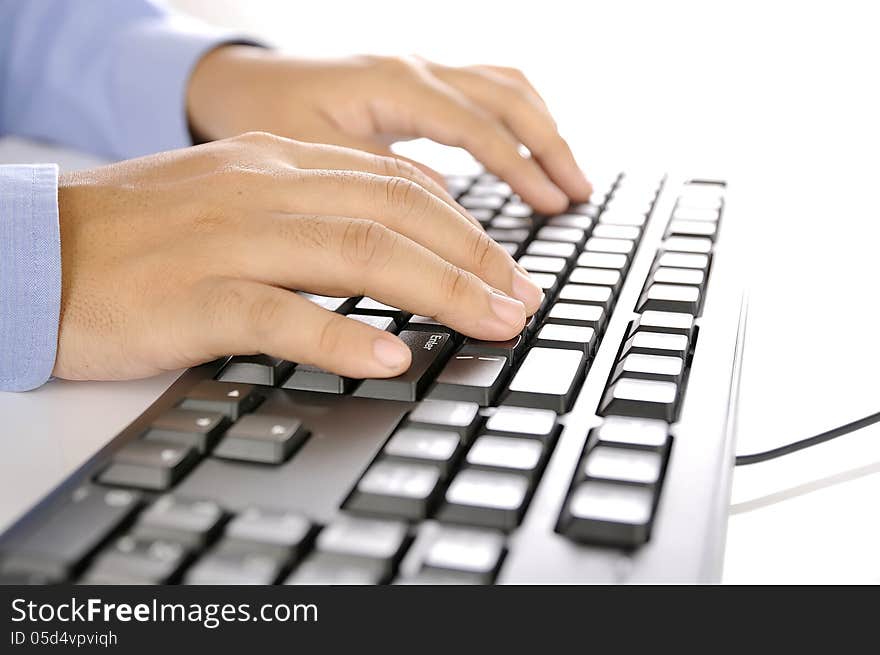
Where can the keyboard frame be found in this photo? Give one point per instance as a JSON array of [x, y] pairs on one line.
[[687, 540]]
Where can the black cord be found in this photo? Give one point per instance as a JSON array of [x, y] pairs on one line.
[[743, 460]]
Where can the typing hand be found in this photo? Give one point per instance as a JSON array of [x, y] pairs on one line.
[[178, 258], [368, 102]]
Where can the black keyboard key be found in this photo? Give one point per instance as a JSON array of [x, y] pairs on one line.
[[472, 378], [418, 322], [682, 227], [225, 567], [512, 249], [587, 209], [486, 499], [333, 569], [688, 244], [548, 378], [330, 303], [518, 236], [371, 307], [592, 316], [512, 349], [429, 351], [625, 215], [567, 251], [520, 422], [255, 369], [683, 260], [262, 438], [460, 417], [458, 184], [396, 489], [566, 234], [188, 427], [517, 209], [547, 282], [512, 454], [623, 465], [641, 398], [555, 335], [280, 534], [473, 201], [608, 231], [608, 277], [511, 222], [54, 551], [192, 523], [693, 276], [626, 432], [588, 294], [424, 445], [379, 322], [608, 513], [603, 260], [495, 188], [232, 399], [373, 539], [456, 554], [657, 343], [312, 378], [579, 221], [151, 465], [671, 298], [684, 213], [614, 246], [539, 264], [483, 216], [130, 560], [666, 322], [650, 367]]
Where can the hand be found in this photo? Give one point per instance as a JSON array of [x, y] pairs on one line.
[[178, 258], [368, 102]]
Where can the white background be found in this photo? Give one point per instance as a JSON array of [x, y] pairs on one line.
[[783, 98]]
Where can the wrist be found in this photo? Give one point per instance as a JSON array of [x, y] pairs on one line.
[[220, 89]]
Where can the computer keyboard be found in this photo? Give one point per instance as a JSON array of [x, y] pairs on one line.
[[595, 446]]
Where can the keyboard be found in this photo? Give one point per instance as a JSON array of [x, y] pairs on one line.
[[595, 446]]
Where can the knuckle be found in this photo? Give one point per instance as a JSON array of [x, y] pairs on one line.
[[310, 231], [263, 313], [331, 336], [396, 65], [367, 244], [453, 284], [394, 167], [482, 250], [406, 196], [220, 301], [258, 138]]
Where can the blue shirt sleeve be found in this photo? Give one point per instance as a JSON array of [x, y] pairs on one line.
[[101, 76], [30, 275]]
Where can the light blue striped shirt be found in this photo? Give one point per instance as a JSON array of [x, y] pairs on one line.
[[102, 76]]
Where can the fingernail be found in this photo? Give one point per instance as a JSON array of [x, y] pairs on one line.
[[507, 310], [524, 290], [390, 354]]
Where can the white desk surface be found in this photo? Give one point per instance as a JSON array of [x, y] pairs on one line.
[[810, 364]]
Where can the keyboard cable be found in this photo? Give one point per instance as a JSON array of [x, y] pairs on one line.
[[755, 458]]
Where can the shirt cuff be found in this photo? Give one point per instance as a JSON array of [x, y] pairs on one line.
[[30, 275], [157, 58]]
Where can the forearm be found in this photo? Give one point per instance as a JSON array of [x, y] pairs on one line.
[[30, 275]]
